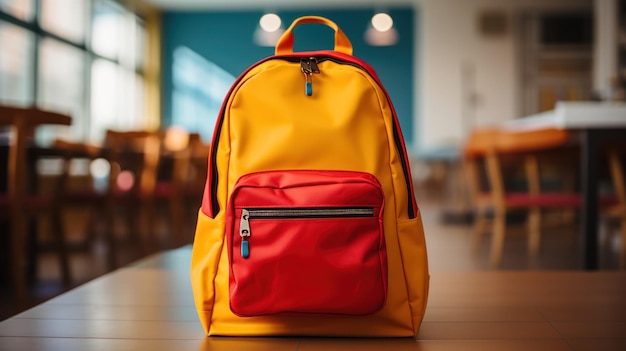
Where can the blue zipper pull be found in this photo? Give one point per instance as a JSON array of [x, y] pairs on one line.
[[308, 66], [244, 232], [245, 249]]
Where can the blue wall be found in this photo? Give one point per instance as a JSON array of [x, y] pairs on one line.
[[225, 38]]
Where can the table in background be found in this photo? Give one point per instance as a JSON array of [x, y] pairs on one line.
[[596, 123], [149, 306]]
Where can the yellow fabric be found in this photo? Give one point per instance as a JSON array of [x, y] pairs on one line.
[[349, 126], [285, 42]]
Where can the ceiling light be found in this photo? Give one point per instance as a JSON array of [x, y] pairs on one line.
[[380, 31], [268, 31], [270, 22], [382, 22]]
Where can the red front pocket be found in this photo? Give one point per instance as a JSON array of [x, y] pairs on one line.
[[306, 242]]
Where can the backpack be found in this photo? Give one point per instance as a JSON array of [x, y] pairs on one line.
[[308, 223]]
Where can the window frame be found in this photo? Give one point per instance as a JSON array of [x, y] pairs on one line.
[[90, 55]]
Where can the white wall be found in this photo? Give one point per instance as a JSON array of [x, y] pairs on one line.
[[449, 39], [605, 48]]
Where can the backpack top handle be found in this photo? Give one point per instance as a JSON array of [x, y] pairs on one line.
[[285, 43]]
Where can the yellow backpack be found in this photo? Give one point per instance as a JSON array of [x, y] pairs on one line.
[[308, 224]]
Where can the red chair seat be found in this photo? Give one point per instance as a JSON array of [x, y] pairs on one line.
[[164, 189], [552, 200], [31, 203], [543, 200]]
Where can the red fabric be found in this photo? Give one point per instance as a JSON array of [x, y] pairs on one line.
[[86, 195], [543, 200], [552, 200], [327, 266], [31, 203], [163, 189]]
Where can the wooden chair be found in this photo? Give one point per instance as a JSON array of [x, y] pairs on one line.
[[524, 147], [19, 204], [619, 210], [194, 178], [180, 185], [82, 193], [134, 158], [170, 189], [130, 192]]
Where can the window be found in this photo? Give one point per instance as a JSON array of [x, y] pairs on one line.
[[21, 9], [16, 59], [65, 18], [61, 83], [107, 29], [80, 57], [116, 96], [116, 88]]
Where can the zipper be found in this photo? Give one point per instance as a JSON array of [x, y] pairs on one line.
[[215, 207], [308, 66], [294, 213]]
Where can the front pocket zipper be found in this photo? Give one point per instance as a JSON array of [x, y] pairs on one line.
[[293, 213]]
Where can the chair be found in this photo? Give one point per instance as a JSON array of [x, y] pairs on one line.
[[170, 189], [77, 194], [195, 177], [183, 165], [129, 161], [134, 158], [19, 203], [497, 147], [619, 210]]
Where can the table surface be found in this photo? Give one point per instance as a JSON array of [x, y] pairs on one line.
[[574, 115], [149, 306]]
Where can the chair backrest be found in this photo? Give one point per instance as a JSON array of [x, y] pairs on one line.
[[507, 141], [199, 163], [514, 141], [136, 151], [618, 178], [480, 141], [23, 122]]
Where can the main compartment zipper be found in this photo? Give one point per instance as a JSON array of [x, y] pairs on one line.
[[294, 213], [308, 66]]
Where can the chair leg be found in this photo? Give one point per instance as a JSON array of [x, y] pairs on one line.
[[534, 231], [61, 246], [480, 225], [149, 229], [109, 233], [18, 232], [178, 227], [497, 240], [622, 253]]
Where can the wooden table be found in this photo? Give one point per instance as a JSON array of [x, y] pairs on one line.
[[596, 123], [149, 306]]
